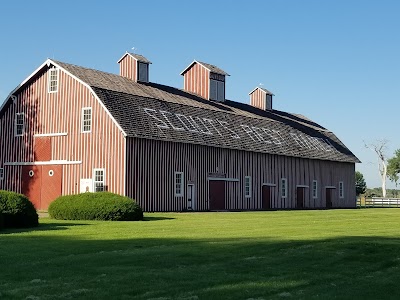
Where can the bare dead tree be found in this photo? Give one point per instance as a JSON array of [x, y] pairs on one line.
[[379, 147]]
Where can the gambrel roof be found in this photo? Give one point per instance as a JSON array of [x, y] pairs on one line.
[[155, 111]]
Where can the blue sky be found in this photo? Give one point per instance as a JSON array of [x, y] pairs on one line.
[[336, 62]]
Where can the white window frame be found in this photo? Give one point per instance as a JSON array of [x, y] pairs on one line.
[[179, 187], [284, 187], [16, 124], [50, 80], [315, 189], [98, 181], [83, 125], [1, 173], [341, 189], [247, 187]]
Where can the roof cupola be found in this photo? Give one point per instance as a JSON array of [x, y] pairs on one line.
[[134, 67], [205, 80]]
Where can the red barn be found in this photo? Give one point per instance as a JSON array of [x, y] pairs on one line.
[[67, 129]]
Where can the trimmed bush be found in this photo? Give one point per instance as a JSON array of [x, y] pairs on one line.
[[95, 206], [17, 211]]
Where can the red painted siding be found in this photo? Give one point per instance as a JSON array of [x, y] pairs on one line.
[[151, 165], [128, 67], [196, 80], [58, 116], [258, 99]]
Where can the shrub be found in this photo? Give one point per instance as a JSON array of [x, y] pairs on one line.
[[95, 206], [17, 211]]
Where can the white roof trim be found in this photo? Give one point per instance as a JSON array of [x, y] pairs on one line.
[[48, 62], [261, 91], [191, 64], [94, 94], [23, 82]]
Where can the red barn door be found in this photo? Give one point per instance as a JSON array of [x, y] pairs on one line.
[[31, 184], [217, 194], [42, 184], [51, 184]]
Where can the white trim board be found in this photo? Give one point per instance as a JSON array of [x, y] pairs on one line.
[[302, 186], [223, 179], [330, 187], [39, 163], [269, 184], [50, 134]]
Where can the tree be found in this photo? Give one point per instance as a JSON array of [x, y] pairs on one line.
[[380, 148], [361, 186], [394, 167]]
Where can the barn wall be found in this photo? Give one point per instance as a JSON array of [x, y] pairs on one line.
[[258, 99], [196, 80], [128, 67], [151, 165], [58, 115]]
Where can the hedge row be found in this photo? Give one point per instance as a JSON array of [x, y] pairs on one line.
[[95, 206], [16, 211]]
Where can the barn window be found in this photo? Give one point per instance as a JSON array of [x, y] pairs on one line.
[[98, 180], [19, 124], [247, 186], [86, 119], [341, 190], [1, 173], [53, 80], [283, 187], [178, 184], [217, 90], [143, 72], [315, 189]]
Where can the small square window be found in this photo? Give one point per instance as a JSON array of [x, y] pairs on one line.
[[98, 180], [86, 119], [19, 124], [1, 173], [53, 80], [247, 186], [179, 190]]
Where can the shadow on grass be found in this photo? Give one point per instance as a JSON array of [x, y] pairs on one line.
[[147, 218], [42, 227], [212, 268]]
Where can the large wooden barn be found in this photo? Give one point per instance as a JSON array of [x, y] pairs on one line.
[[67, 129]]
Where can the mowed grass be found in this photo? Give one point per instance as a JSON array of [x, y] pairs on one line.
[[335, 254]]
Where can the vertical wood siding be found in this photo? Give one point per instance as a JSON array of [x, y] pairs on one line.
[[128, 68], [61, 113], [196, 80], [258, 99], [151, 166]]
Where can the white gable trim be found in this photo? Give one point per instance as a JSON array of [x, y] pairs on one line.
[[49, 62], [93, 93], [10, 95], [126, 53]]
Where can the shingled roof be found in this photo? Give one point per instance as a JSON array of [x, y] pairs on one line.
[[155, 111], [211, 68]]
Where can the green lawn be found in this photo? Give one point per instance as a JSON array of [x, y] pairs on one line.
[[342, 254]]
